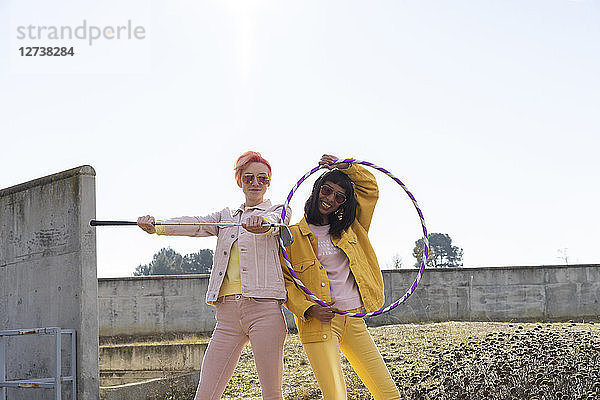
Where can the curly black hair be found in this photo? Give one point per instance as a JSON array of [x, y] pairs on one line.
[[311, 207]]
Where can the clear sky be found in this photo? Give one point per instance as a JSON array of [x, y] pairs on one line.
[[487, 110]]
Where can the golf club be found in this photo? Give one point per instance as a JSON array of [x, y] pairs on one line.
[[286, 235]]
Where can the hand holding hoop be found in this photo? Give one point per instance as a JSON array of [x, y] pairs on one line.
[[330, 162], [323, 314]]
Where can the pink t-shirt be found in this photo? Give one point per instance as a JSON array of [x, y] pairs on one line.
[[344, 290]]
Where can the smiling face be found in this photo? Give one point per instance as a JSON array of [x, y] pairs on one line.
[[330, 199], [254, 191]]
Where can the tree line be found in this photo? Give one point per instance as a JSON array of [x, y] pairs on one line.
[[169, 262], [442, 254]]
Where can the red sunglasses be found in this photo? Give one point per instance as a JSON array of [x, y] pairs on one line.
[[260, 179], [340, 197]]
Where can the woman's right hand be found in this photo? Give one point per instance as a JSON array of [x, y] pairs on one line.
[[147, 223], [323, 314]]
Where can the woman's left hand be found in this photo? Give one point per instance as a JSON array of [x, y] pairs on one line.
[[255, 223], [329, 161], [323, 314]]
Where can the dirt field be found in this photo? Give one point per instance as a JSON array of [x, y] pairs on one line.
[[459, 360]]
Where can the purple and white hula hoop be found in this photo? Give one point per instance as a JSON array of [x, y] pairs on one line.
[[425, 241]]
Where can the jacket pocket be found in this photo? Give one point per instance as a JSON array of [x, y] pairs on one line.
[[304, 265]]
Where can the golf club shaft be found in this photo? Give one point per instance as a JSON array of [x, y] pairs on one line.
[[286, 235], [95, 222]]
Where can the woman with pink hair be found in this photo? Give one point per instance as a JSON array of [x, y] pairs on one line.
[[246, 283]]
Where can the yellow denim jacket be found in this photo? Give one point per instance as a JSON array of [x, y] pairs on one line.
[[354, 242]]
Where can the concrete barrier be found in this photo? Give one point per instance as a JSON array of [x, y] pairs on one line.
[[152, 357], [168, 386], [532, 293], [154, 305], [48, 277], [175, 305], [150, 370]]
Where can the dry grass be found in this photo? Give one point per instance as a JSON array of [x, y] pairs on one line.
[[458, 360]]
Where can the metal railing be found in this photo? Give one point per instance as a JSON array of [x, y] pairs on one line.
[[54, 382]]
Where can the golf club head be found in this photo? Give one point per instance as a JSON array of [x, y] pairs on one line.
[[286, 236]]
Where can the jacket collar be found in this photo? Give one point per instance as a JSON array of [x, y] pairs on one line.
[[262, 206], [303, 225]]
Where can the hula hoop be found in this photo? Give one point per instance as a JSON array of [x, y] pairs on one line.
[[425, 241]]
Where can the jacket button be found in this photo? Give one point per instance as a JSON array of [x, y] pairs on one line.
[[220, 273], [232, 236], [323, 284], [324, 336], [225, 252]]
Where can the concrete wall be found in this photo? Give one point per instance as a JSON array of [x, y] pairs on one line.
[[175, 305], [166, 386], [154, 305], [48, 277], [152, 357], [536, 293]]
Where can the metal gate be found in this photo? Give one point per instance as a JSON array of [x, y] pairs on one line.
[[54, 382]]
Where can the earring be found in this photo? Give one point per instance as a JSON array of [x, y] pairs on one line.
[[339, 214]]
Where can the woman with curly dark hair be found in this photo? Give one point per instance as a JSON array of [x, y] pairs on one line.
[[332, 256]]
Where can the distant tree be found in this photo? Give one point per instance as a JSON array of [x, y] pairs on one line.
[[142, 270], [442, 254], [563, 255], [396, 261], [168, 262], [198, 263]]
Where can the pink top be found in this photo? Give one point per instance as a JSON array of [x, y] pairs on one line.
[[344, 290]]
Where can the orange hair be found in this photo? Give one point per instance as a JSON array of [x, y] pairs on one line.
[[245, 159]]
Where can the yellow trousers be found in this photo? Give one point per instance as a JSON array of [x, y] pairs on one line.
[[350, 335]]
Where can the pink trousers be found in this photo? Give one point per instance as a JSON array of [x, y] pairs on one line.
[[241, 320]]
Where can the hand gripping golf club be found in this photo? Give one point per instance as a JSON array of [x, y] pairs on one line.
[[286, 235]]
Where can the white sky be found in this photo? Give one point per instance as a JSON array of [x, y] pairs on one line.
[[487, 110]]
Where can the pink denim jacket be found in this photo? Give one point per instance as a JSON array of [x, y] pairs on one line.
[[260, 269]]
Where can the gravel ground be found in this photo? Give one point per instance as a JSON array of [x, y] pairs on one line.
[[458, 360]]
